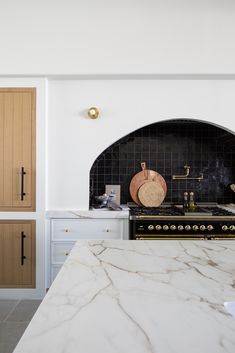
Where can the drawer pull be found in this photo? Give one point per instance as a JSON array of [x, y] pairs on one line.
[[23, 257], [66, 230], [23, 193], [107, 230], [66, 253]]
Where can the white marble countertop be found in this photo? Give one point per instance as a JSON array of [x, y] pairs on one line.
[[138, 297], [124, 214], [94, 213]]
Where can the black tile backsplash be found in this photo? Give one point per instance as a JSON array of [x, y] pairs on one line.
[[166, 147]]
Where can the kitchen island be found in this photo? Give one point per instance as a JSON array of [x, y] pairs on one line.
[[137, 297]]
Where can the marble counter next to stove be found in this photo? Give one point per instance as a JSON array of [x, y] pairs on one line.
[[92, 214], [138, 297]]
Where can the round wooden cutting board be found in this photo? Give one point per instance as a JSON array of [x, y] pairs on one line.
[[145, 176], [151, 194]]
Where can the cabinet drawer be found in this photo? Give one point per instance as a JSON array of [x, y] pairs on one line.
[[60, 251], [64, 229], [54, 272]]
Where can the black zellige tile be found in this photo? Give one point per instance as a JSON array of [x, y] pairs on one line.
[[167, 147]]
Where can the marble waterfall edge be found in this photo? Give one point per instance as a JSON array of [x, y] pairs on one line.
[[138, 297]]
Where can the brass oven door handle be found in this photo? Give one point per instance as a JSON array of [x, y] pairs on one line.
[[23, 257], [23, 193]]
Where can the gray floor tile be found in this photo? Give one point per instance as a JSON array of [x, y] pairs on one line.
[[6, 306], [24, 311], [10, 334]]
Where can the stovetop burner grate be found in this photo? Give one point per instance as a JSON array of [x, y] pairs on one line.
[[156, 211], [176, 211]]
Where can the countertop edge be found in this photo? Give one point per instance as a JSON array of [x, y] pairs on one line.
[[86, 214]]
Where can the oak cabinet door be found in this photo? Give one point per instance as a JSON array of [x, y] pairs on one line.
[[17, 254], [17, 149]]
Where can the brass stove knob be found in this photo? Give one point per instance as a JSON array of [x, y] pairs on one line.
[[232, 227], [210, 227], [180, 227], [195, 227], [150, 227], [187, 227], [202, 227], [158, 227], [224, 228], [165, 227], [173, 227]]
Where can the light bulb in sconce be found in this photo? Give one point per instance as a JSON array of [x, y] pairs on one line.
[[93, 112]]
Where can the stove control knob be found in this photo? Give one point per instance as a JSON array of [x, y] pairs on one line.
[[232, 227], [180, 227], [187, 227], [210, 227], [202, 227], [165, 227], [195, 227], [150, 227], [158, 227], [224, 228], [173, 227]]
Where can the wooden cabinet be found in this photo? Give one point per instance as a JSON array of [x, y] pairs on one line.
[[17, 254], [17, 149]]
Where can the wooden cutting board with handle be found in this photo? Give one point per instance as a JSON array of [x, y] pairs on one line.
[[145, 176]]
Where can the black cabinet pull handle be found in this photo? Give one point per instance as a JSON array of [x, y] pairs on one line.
[[22, 183], [22, 248]]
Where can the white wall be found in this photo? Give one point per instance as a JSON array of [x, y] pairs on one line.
[[46, 37], [74, 141], [39, 215]]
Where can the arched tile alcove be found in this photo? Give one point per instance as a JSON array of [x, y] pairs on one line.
[[166, 147]]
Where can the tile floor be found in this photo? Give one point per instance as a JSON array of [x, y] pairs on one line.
[[15, 316]]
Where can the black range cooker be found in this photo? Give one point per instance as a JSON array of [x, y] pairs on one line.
[[173, 222]]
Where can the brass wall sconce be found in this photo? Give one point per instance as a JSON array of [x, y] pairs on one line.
[[93, 112], [186, 175]]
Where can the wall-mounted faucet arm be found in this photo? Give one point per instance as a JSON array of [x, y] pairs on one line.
[[186, 175], [187, 167]]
